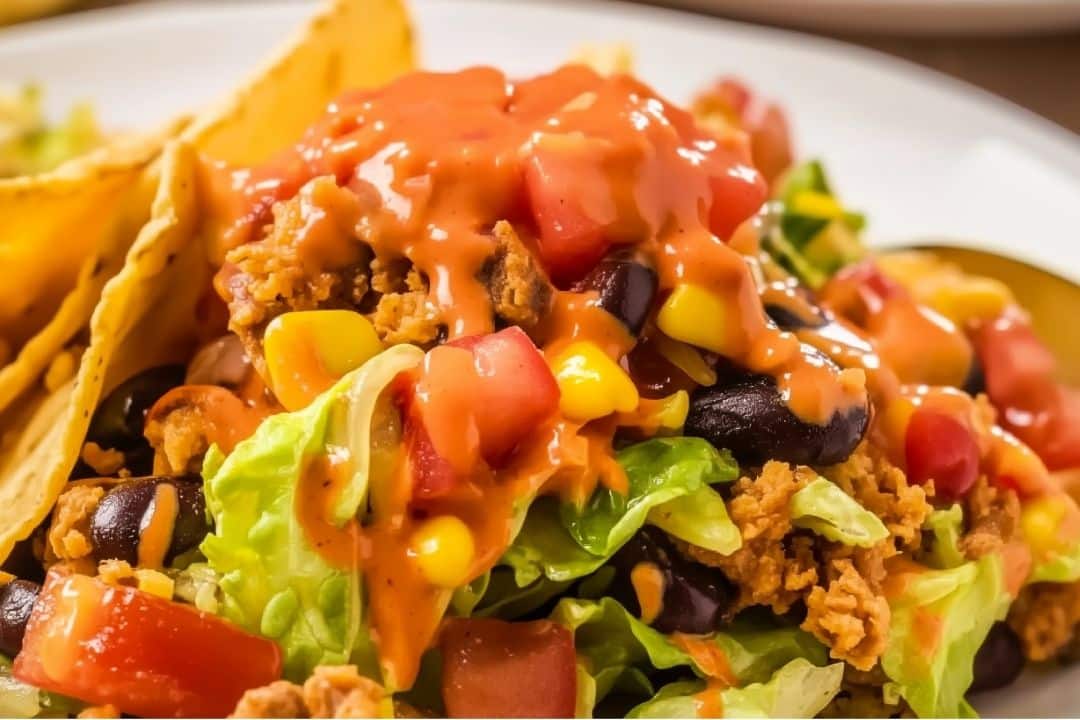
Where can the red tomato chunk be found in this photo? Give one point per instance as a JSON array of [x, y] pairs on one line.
[[493, 668], [148, 656]]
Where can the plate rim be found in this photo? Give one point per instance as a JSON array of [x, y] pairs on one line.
[[90, 20]]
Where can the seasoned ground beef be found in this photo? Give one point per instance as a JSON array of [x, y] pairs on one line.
[[1045, 616], [280, 699], [849, 615], [883, 489], [992, 516], [520, 292], [403, 313], [332, 691], [841, 587], [311, 257], [68, 538], [772, 567], [179, 439]]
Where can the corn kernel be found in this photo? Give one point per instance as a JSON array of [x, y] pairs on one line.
[[667, 413], [894, 420], [1040, 520], [308, 351], [816, 204], [696, 316], [444, 550], [591, 384], [970, 298], [154, 582], [687, 359]]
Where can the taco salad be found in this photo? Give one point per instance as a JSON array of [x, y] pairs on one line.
[[459, 394]]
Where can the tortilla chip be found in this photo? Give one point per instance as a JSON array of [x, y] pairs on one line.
[[124, 199], [146, 315], [350, 44], [55, 223]]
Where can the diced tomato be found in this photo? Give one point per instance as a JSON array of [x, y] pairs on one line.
[[860, 290], [516, 391], [939, 447], [505, 390], [764, 122], [571, 205], [146, 655], [737, 193], [493, 668], [433, 476], [1020, 380]]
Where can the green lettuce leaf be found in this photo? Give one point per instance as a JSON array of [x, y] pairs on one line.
[[563, 542], [811, 238], [946, 526], [19, 700], [658, 471], [272, 580], [939, 620], [505, 599], [30, 144], [699, 518], [799, 689], [825, 509], [614, 645]]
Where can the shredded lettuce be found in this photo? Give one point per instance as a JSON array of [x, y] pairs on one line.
[[564, 542], [939, 620], [699, 518], [1061, 567], [19, 700], [825, 509], [272, 580], [945, 526], [813, 235], [658, 471], [29, 144], [620, 650], [799, 689]]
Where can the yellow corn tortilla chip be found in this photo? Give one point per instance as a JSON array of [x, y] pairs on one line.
[[54, 222], [124, 199], [146, 314]]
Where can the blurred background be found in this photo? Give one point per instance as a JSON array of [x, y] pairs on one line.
[[1025, 50]]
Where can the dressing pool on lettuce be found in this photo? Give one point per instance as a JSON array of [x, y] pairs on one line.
[[274, 582]]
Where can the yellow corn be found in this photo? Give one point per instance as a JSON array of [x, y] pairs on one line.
[[666, 413], [1040, 519], [154, 582], [696, 316], [444, 550], [687, 359], [816, 204], [970, 298], [306, 352], [591, 384]]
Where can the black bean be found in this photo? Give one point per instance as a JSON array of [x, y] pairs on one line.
[[975, 382], [626, 286], [121, 515], [16, 601], [118, 421], [746, 414], [999, 661], [695, 596]]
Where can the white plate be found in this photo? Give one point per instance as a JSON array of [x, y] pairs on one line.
[[922, 155], [911, 17]]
